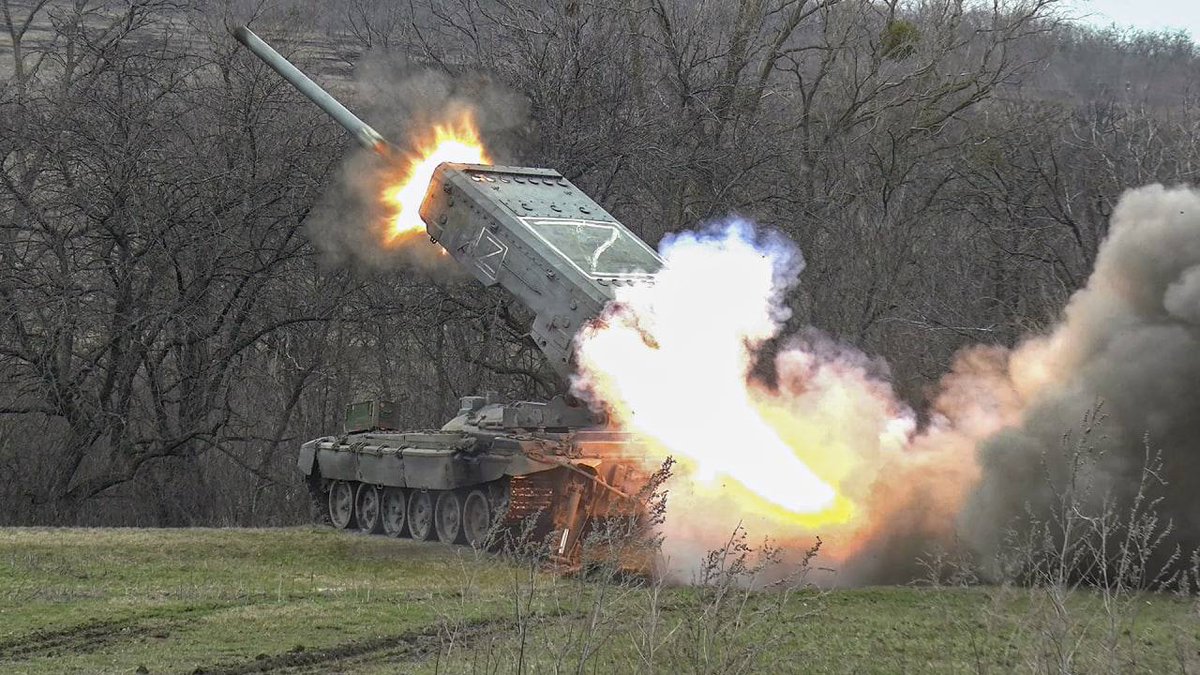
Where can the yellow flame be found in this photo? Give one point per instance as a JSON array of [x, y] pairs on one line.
[[694, 331], [457, 141], [824, 448]]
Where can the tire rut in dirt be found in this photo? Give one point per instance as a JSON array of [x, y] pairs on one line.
[[93, 636], [404, 647], [81, 639]]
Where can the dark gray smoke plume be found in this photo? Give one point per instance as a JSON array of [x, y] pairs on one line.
[[1129, 341]]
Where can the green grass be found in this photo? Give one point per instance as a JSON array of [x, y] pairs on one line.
[[312, 600], [113, 600]]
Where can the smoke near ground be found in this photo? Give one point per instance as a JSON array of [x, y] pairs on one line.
[[1130, 339]]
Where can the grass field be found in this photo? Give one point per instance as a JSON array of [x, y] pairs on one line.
[[311, 600]]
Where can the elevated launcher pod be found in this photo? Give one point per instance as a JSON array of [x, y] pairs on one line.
[[562, 255], [529, 230], [542, 239]]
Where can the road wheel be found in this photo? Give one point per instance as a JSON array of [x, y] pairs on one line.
[[420, 514], [366, 507], [394, 509], [341, 504], [477, 519], [447, 516]]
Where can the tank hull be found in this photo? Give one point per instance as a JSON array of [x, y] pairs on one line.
[[550, 486], [429, 461]]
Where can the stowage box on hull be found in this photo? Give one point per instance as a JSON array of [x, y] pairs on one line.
[[425, 461]]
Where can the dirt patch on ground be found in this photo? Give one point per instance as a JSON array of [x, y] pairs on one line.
[[80, 639], [398, 648], [93, 636]]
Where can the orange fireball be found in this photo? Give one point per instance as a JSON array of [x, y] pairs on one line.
[[455, 141]]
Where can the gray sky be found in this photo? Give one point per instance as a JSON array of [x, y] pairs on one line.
[[1145, 14]]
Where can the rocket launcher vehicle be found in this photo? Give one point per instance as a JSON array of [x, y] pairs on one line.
[[494, 466]]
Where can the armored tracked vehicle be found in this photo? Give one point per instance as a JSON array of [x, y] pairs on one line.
[[493, 468], [494, 464]]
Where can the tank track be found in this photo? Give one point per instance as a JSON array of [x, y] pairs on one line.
[[514, 503], [529, 515]]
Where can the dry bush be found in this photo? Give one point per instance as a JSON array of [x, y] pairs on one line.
[[1071, 581], [606, 617]]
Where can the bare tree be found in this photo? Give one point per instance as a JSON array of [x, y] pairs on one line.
[[169, 329]]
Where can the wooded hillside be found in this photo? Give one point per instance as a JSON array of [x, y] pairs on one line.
[[178, 310]]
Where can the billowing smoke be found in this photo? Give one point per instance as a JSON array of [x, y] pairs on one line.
[[1130, 341], [675, 362]]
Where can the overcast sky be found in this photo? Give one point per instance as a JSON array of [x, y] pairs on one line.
[[1146, 14]]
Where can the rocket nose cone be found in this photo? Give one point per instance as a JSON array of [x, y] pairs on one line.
[[243, 34]]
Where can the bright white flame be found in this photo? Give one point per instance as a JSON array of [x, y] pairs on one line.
[[672, 360], [824, 448]]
